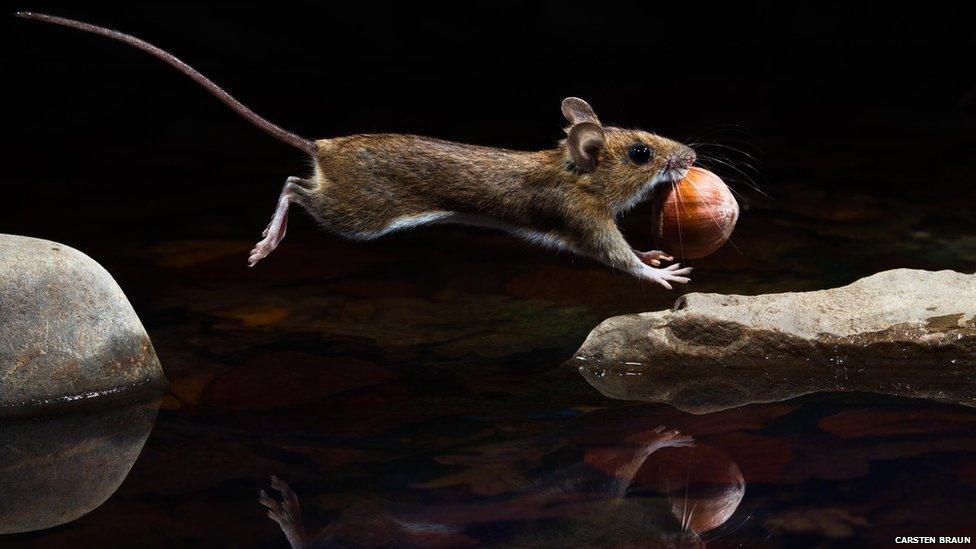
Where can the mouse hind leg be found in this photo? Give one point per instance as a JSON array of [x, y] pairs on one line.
[[286, 512], [294, 190]]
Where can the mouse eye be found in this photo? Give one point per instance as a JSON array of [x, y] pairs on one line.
[[640, 153]]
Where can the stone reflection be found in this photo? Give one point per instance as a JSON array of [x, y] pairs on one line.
[[56, 469], [651, 487]]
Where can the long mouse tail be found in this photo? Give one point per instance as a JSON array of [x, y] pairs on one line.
[[282, 134]]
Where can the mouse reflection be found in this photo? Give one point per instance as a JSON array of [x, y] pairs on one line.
[[56, 469], [653, 488]]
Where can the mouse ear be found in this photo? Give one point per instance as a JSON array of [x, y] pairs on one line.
[[585, 141], [575, 110]]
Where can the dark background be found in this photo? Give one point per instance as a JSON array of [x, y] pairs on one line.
[[91, 122], [347, 367]]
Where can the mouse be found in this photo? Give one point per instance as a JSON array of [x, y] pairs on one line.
[[568, 198]]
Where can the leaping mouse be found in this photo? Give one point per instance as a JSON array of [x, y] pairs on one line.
[[365, 186]]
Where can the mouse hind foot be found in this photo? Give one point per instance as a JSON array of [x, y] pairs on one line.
[[286, 512], [295, 187]]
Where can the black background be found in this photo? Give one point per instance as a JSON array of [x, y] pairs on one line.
[[862, 107], [104, 142]]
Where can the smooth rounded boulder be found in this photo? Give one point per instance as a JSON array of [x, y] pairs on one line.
[[68, 335]]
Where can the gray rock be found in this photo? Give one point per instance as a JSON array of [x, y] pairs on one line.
[[903, 332], [68, 335]]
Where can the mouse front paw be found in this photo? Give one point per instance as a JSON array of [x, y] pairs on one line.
[[666, 276], [653, 258], [672, 438], [661, 437]]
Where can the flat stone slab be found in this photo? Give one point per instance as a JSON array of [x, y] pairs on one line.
[[903, 332], [68, 335]]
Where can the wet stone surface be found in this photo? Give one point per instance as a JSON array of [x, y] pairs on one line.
[[906, 332]]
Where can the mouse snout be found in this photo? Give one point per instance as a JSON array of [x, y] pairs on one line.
[[681, 159]]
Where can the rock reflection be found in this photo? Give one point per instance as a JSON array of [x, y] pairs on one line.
[[56, 469], [650, 488]]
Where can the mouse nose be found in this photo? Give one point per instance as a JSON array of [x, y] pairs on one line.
[[681, 159], [685, 156]]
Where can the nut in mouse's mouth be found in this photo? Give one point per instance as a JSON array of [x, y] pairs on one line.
[[660, 182]]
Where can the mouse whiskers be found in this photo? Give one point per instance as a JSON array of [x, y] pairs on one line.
[[716, 130], [745, 175], [677, 195], [735, 160]]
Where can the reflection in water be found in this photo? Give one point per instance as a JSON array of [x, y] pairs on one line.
[[56, 469], [703, 485], [590, 493]]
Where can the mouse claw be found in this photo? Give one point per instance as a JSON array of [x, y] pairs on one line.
[[674, 438], [272, 237], [260, 251], [287, 512], [666, 276], [653, 257], [662, 437]]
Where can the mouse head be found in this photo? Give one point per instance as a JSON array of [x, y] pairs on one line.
[[623, 164]]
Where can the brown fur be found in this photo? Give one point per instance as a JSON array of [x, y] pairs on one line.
[[365, 184]]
